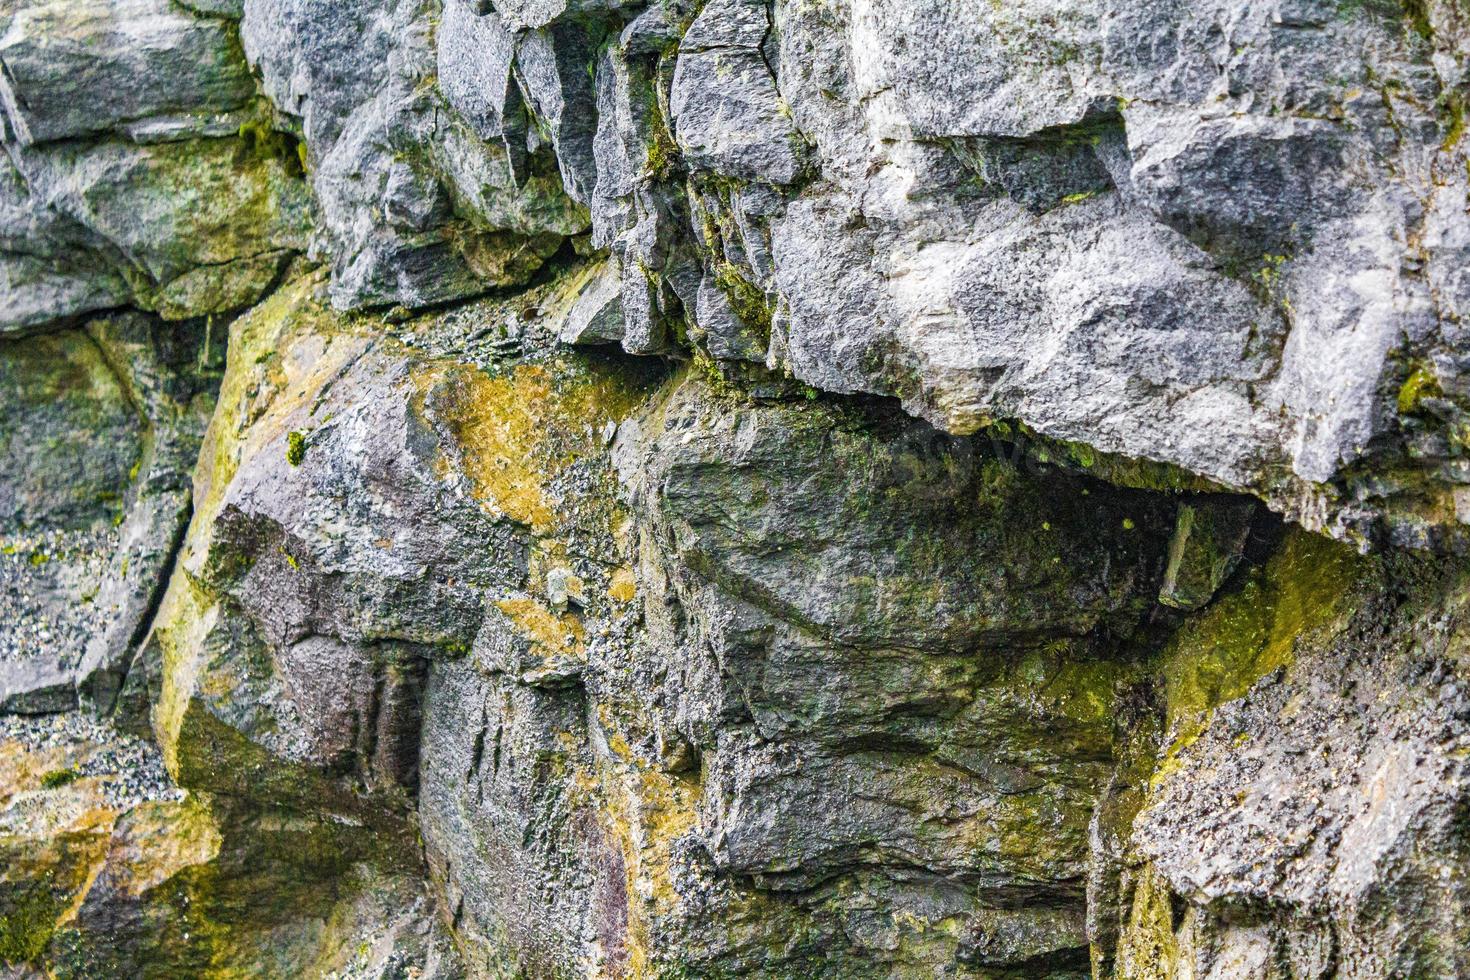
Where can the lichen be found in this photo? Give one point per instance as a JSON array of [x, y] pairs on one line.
[[1419, 385], [557, 635], [1304, 588], [1148, 948], [295, 447], [647, 810], [512, 434], [623, 586]]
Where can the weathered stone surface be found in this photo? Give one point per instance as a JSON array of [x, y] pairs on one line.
[[596, 316], [355, 501], [911, 611], [74, 68], [138, 167], [727, 115], [187, 229], [983, 204], [554, 64], [1305, 810], [101, 429], [475, 52], [416, 209], [111, 871]]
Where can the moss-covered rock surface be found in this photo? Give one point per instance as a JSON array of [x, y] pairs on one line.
[[550, 489]]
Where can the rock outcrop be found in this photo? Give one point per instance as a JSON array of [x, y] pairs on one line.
[[650, 488]]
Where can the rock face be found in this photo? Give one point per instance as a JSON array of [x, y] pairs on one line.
[[820, 488]]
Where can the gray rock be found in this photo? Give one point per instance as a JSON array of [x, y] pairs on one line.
[[523, 14], [727, 336], [102, 432], [773, 527], [911, 610], [474, 53], [186, 229], [1318, 805], [137, 170], [73, 69], [415, 207], [597, 314], [727, 114], [555, 69], [319, 61]]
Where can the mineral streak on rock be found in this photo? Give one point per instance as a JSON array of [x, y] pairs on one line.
[[668, 489]]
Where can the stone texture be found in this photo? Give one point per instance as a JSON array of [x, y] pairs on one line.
[[111, 871], [1308, 826], [727, 115], [73, 68], [822, 488], [414, 207], [139, 168], [102, 429]]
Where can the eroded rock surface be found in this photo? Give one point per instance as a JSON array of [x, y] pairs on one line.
[[819, 488]]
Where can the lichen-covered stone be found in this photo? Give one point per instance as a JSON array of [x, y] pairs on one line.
[[102, 427], [74, 68], [112, 870], [911, 605], [1305, 810]]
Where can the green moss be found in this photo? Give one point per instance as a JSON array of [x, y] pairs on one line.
[[1117, 469], [1218, 656], [27, 925], [1420, 384], [748, 301], [39, 882], [1269, 274], [295, 448], [705, 367], [662, 155], [263, 142], [211, 756], [1452, 113], [1148, 948], [57, 778], [663, 152]]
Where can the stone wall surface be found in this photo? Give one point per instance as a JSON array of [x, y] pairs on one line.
[[661, 488]]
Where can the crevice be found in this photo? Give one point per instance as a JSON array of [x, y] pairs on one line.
[[144, 626]]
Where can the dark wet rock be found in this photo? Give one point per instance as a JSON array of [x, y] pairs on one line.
[[1208, 543]]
